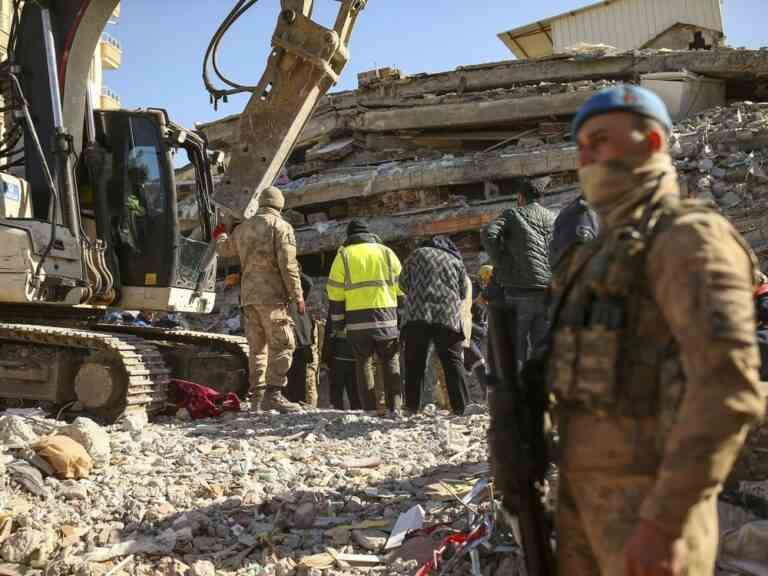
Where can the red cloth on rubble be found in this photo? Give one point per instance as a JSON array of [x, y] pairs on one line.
[[203, 402]]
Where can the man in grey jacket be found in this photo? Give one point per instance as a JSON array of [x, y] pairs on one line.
[[518, 244]]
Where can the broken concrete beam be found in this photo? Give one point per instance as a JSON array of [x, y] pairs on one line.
[[334, 150], [500, 112], [340, 185], [729, 64], [328, 236], [723, 63], [325, 125], [222, 134]]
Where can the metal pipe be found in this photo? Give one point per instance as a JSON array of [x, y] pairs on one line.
[[62, 144], [53, 75], [90, 123]]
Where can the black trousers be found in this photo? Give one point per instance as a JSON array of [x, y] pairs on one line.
[[296, 389], [532, 321], [448, 345], [388, 354], [344, 377]]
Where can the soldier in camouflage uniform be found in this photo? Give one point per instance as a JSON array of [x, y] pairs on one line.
[[266, 247], [654, 361]]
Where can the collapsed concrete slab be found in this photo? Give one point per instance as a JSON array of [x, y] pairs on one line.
[[444, 153], [745, 70], [446, 171]]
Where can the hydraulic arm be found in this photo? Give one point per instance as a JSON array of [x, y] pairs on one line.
[[305, 61]]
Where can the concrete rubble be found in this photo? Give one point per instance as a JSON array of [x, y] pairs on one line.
[[248, 494], [444, 153]]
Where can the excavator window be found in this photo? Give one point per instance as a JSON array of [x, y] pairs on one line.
[[146, 190]]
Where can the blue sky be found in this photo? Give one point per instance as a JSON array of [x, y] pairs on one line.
[[164, 42]]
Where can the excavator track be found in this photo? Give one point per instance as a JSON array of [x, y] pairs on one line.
[[234, 346], [117, 373]]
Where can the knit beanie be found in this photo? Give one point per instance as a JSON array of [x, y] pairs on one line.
[[357, 227]]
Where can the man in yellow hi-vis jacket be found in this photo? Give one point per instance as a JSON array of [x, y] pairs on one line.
[[363, 292]]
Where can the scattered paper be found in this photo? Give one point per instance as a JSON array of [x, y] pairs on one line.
[[413, 519], [477, 489]]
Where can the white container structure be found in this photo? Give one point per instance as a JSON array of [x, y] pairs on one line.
[[623, 24]]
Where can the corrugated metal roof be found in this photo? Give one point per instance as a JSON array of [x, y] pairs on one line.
[[619, 23]]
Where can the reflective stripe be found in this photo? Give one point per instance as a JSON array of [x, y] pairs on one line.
[[347, 274], [369, 284], [372, 325], [337, 317], [349, 285], [389, 267]]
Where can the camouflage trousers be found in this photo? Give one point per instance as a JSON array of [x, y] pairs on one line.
[[271, 341], [597, 515], [601, 490], [312, 375]]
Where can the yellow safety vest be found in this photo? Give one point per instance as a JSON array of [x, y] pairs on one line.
[[363, 289]]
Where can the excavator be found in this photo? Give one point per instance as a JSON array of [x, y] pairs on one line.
[[89, 201]]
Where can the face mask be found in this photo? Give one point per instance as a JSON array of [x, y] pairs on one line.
[[607, 183]]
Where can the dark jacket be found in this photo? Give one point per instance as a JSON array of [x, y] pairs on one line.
[[518, 244], [435, 284], [494, 291], [761, 311], [577, 223], [303, 326], [335, 346], [762, 344]]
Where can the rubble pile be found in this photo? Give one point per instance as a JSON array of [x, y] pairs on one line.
[[445, 153], [320, 492], [722, 156]]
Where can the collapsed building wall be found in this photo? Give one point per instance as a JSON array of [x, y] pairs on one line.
[[446, 153]]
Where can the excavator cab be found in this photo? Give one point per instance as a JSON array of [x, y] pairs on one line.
[[102, 226], [127, 186]]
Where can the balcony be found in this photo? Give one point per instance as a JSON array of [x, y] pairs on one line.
[[109, 99], [111, 52]]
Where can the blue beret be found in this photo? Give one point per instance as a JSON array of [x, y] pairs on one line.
[[623, 98]]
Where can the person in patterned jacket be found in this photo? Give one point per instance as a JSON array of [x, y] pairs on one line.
[[435, 283]]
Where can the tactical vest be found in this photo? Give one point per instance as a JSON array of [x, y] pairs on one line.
[[613, 351]]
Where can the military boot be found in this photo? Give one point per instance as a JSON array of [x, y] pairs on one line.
[[257, 399], [274, 400]]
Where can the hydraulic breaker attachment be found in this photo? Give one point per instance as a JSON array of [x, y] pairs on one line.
[[305, 61]]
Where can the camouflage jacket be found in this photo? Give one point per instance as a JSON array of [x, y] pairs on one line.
[[266, 247], [654, 353]]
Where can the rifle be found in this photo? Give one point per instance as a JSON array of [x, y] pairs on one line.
[[518, 446]]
